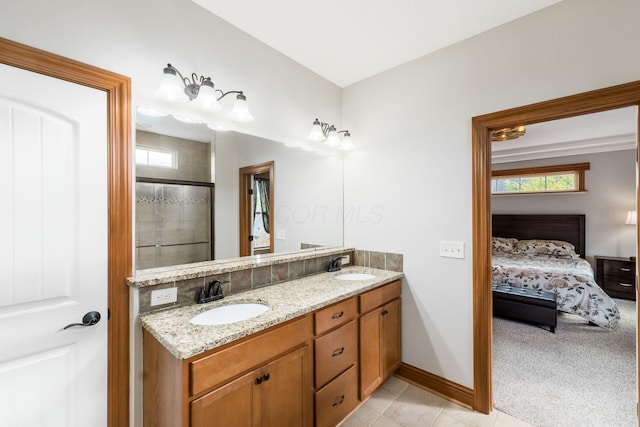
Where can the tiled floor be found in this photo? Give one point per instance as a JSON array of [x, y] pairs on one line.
[[399, 404]]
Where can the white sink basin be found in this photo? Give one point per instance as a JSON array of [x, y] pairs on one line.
[[229, 314], [355, 276]]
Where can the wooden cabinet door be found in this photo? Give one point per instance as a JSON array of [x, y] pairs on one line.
[[229, 405], [370, 358], [391, 347], [286, 391]]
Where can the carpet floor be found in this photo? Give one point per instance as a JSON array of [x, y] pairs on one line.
[[580, 376]]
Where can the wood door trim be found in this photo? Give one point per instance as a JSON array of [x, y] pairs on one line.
[[118, 89], [624, 95], [245, 185]]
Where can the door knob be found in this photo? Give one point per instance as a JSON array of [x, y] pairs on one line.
[[89, 319]]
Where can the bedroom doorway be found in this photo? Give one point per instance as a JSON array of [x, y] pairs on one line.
[[256, 209], [626, 95]]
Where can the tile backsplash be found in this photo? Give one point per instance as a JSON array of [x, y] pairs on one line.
[[381, 260], [237, 281], [253, 277]]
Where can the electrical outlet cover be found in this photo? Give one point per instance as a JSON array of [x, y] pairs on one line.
[[164, 296]]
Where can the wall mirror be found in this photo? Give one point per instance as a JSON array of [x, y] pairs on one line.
[[188, 185]]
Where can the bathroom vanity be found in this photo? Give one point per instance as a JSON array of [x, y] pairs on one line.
[[324, 345]]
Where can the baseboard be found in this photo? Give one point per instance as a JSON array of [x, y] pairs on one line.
[[441, 386]]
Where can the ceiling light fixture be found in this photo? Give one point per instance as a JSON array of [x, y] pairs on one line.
[[321, 131], [174, 87], [507, 134]]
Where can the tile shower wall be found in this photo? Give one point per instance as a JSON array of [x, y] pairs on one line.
[[173, 224], [193, 158], [238, 281]]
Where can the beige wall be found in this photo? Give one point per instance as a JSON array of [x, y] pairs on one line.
[[414, 159]]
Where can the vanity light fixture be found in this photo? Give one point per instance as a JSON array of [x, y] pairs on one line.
[[507, 134], [174, 87], [321, 131]]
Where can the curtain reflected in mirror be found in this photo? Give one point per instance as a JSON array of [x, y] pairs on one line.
[[261, 219]]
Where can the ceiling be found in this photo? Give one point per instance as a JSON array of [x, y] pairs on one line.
[[612, 130], [346, 41]]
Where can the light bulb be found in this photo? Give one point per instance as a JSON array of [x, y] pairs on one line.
[[171, 87], [316, 134], [347, 143], [207, 99], [332, 137], [240, 111]]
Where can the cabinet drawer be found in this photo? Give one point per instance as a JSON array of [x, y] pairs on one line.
[[337, 399], [213, 370], [335, 352], [622, 281], [623, 269], [619, 289], [379, 296], [335, 315]]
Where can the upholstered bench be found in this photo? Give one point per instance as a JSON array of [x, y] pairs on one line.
[[528, 305]]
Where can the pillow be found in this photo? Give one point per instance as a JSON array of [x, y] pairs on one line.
[[556, 248], [503, 244]]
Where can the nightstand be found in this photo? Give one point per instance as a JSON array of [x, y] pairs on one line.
[[617, 276]]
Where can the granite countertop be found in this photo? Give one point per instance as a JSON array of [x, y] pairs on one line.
[[287, 300], [174, 273]]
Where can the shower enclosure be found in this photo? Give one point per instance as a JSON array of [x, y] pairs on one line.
[[173, 222]]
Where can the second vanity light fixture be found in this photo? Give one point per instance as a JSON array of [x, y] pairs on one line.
[[321, 131], [174, 87]]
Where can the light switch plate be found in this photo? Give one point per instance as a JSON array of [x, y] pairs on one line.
[[451, 249], [164, 296], [281, 234]]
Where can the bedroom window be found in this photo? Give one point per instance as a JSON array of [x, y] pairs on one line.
[[545, 179]]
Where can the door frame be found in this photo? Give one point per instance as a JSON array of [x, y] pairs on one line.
[[620, 96], [119, 182], [245, 203]]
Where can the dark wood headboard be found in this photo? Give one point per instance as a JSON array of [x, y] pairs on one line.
[[569, 228]]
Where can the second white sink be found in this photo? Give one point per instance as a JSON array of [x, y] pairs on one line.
[[355, 276], [227, 314]]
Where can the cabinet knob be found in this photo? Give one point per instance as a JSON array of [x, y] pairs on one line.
[[385, 312], [339, 401], [259, 380]]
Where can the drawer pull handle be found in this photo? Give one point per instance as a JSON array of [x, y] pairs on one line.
[[338, 402], [626, 285], [625, 269], [338, 315], [338, 352]]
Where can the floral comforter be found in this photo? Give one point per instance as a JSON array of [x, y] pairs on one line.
[[571, 279]]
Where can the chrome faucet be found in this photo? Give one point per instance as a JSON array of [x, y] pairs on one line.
[[212, 293], [335, 264]]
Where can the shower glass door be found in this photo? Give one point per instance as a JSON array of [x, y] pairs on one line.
[[173, 223]]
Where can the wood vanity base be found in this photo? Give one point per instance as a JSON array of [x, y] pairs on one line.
[[332, 359]]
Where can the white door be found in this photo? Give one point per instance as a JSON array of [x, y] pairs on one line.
[[53, 251]]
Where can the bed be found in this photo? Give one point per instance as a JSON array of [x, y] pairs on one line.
[[547, 252]]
